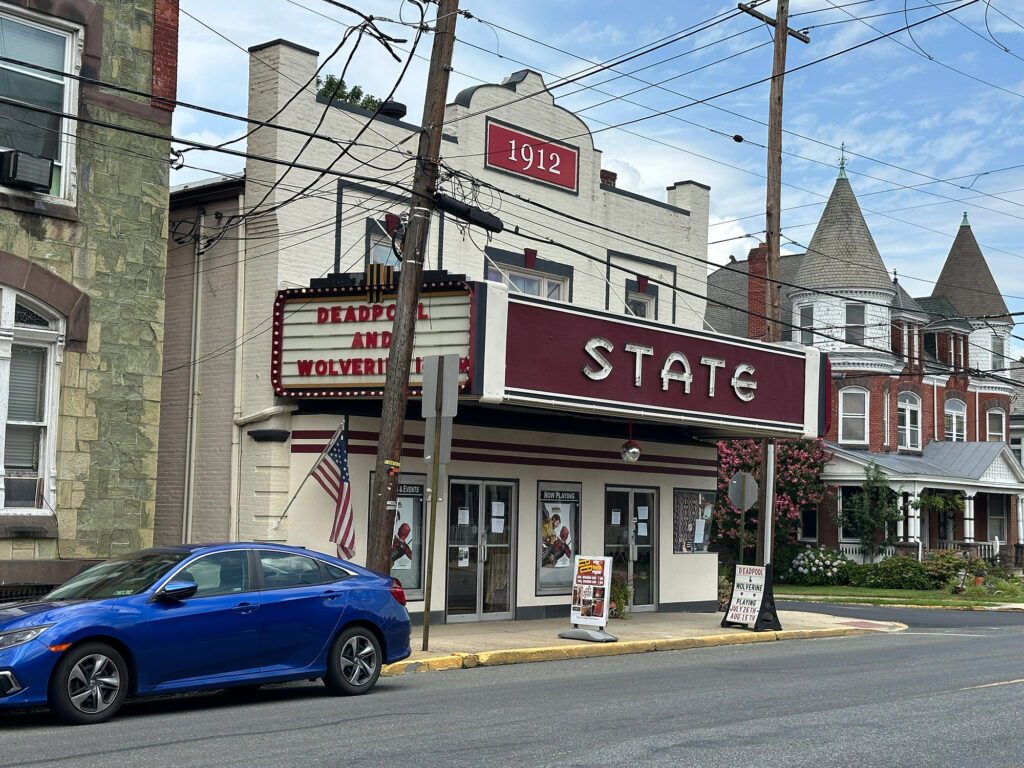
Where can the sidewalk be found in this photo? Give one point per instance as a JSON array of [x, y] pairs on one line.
[[478, 644]]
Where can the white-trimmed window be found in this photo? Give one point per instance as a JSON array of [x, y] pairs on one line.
[[998, 354], [37, 40], [853, 415], [854, 323], [381, 252], [995, 425], [997, 517], [908, 425], [807, 325], [639, 304], [956, 420], [530, 282], [31, 336]]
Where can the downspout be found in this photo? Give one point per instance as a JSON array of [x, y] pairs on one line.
[[935, 412], [977, 416], [193, 386], [235, 487]]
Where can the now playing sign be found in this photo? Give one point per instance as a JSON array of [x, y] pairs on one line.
[[752, 604]]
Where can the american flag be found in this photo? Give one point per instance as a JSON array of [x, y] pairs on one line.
[[331, 471]]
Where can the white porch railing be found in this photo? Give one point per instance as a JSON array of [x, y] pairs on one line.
[[852, 550], [986, 549]]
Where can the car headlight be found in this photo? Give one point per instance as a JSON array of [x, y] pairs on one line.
[[14, 637]]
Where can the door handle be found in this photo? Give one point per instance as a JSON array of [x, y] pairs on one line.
[[330, 594], [483, 552], [632, 552], [244, 608]]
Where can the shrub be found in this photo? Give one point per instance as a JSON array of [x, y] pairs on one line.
[[818, 567], [943, 568], [892, 573]]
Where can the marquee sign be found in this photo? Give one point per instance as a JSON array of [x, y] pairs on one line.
[[525, 154], [335, 342], [569, 358]]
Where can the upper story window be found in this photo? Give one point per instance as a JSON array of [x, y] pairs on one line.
[[530, 282], [956, 420], [995, 425], [854, 323], [998, 353], [639, 304], [807, 325], [37, 134], [381, 252], [908, 428], [30, 336], [853, 415]]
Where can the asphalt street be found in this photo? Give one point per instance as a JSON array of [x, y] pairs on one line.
[[930, 696]]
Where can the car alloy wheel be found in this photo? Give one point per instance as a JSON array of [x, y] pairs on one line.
[[88, 685], [355, 662]]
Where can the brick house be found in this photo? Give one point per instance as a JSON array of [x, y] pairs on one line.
[[909, 386], [83, 217]]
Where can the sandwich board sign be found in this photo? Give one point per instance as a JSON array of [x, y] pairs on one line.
[[591, 592], [752, 604]]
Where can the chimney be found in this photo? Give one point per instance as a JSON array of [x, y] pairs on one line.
[[757, 271], [608, 177]]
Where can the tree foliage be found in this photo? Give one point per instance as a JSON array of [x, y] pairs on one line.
[[872, 512], [798, 485], [334, 88]]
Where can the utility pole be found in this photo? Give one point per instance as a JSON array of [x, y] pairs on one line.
[[773, 294], [383, 499]]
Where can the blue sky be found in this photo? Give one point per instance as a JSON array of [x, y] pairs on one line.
[[930, 117]]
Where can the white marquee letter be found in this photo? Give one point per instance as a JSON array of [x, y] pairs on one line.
[[683, 375], [591, 348], [639, 350], [744, 389], [712, 363]]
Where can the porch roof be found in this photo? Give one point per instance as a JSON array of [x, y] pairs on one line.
[[954, 463]]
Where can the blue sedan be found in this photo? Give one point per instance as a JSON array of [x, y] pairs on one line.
[[194, 617]]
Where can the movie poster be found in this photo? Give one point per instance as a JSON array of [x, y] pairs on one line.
[[591, 586], [558, 522], [407, 539]]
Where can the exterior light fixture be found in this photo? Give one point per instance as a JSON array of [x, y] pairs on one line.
[[630, 451]]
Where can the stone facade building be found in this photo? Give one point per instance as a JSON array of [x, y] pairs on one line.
[[919, 386], [84, 164]]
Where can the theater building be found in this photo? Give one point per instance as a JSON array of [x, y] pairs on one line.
[[577, 330]]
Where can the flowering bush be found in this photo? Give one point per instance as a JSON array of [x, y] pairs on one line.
[[798, 485], [816, 567]]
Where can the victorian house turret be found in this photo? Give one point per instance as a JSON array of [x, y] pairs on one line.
[[919, 386]]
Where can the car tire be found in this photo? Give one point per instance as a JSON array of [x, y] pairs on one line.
[[88, 684], [354, 663]]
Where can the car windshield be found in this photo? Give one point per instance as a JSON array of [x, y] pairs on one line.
[[126, 575]]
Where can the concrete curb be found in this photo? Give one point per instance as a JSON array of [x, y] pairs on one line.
[[563, 652]]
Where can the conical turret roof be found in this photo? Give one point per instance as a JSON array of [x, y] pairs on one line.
[[842, 253], [967, 281]]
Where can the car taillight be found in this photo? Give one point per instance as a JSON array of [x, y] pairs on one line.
[[397, 592]]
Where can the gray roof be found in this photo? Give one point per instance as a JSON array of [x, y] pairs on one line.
[[967, 281], [942, 314], [904, 303], [951, 461], [726, 310], [842, 253]]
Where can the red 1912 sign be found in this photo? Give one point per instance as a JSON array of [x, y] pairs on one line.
[[527, 155]]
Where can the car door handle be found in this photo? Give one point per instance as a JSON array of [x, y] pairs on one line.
[[245, 608], [330, 594]]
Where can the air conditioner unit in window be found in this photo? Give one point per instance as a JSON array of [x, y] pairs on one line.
[[23, 492], [20, 169]]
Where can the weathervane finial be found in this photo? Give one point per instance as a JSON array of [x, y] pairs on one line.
[[842, 160]]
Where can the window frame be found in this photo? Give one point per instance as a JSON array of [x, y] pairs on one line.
[[907, 404], [51, 340], [854, 329], [545, 279], [844, 394], [988, 425], [953, 415], [73, 35], [805, 319]]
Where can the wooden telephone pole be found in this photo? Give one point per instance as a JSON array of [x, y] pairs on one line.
[[773, 294], [383, 499]]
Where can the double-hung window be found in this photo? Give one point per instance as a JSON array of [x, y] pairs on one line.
[[854, 323], [29, 339], [530, 282], [30, 43], [853, 415], [956, 420], [995, 423], [807, 325], [908, 428]]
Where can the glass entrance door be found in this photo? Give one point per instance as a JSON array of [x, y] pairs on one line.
[[480, 523], [630, 516]]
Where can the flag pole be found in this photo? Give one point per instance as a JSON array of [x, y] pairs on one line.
[[342, 426]]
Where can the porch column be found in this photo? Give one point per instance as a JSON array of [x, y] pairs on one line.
[[913, 517], [1019, 547], [969, 519]]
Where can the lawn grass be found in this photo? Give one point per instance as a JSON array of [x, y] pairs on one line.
[[973, 597]]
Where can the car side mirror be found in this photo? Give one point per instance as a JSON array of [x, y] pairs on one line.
[[177, 590]]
